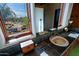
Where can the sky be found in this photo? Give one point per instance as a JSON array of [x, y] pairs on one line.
[[18, 8]]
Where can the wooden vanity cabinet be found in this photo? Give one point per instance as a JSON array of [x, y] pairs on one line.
[[27, 48], [71, 47]]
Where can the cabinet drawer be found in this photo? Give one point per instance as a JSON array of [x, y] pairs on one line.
[[27, 48]]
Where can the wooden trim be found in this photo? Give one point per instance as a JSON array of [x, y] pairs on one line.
[[40, 5], [3, 28], [29, 15], [24, 34]]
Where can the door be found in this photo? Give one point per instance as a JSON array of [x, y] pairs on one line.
[[39, 19]]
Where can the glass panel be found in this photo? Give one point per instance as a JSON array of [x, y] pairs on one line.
[[15, 17]]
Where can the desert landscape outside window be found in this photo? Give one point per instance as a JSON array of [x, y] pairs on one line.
[[16, 18]]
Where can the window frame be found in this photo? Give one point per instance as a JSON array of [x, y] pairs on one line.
[[5, 33]]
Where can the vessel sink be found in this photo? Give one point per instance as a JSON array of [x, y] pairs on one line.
[[59, 41]]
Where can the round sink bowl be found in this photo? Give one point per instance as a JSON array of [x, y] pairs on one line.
[[59, 41]]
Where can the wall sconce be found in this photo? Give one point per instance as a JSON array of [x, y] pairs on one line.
[[70, 22]]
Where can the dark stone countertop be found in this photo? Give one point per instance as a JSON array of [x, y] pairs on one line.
[[49, 48]]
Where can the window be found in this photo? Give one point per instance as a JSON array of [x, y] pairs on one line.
[[15, 19]]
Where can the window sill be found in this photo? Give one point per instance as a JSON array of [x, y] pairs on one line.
[[14, 35], [18, 40]]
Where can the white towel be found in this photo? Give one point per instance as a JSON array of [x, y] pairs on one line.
[[74, 35], [43, 54]]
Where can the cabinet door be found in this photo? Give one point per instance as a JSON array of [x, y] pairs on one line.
[[27, 48]]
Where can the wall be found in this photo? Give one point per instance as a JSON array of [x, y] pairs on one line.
[[2, 39], [39, 18], [33, 18], [75, 16], [67, 14], [49, 14]]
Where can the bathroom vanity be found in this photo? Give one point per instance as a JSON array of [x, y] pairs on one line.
[[49, 49]]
